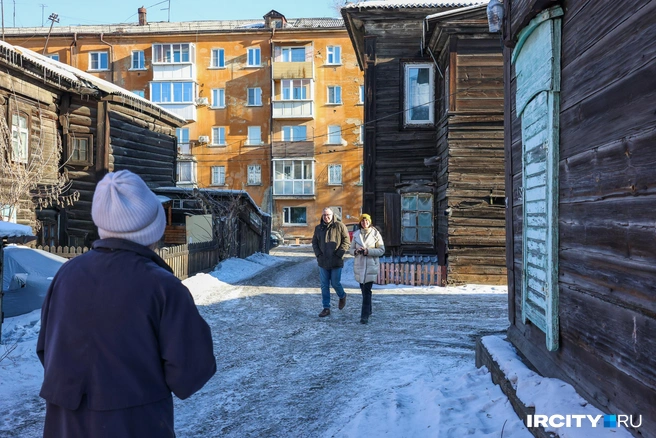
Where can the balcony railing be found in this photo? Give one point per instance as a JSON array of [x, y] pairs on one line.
[[293, 109], [292, 149], [185, 110]]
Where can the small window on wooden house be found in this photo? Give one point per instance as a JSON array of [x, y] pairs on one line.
[[8, 213], [419, 92], [20, 136], [537, 67], [417, 218], [80, 149]]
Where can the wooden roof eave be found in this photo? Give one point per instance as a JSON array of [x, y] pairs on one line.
[[356, 34], [152, 110]]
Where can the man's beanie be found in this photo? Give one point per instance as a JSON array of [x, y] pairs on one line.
[[124, 207]]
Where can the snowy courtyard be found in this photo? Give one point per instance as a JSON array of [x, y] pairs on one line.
[[284, 372]]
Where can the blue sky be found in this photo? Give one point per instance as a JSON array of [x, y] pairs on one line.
[[27, 13]]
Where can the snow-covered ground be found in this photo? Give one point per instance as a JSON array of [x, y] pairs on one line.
[[284, 372]]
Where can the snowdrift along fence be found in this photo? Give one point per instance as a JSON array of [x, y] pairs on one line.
[[185, 260], [411, 270]]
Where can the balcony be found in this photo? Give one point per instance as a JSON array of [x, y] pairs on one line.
[[293, 109], [292, 149], [167, 72], [293, 70], [185, 110]]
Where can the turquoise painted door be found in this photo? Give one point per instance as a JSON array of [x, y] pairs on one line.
[[537, 67]]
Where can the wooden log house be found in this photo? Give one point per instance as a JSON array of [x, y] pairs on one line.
[[433, 142], [101, 128], [581, 168]]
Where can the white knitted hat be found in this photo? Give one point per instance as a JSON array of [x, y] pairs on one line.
[[124, 207]]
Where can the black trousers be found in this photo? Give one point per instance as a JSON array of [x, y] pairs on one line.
[[366, 299]]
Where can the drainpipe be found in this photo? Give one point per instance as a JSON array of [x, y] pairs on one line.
[[71, 50], [273, 90], [111, 58]]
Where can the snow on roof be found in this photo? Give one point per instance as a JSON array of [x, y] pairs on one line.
[[78, 78], [8, 229], [189, 190], [396, 4], [456, 11]]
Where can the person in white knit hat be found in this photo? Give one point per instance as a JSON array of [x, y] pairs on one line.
[[119, 332]]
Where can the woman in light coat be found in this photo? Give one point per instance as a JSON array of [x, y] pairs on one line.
[[367, 246]]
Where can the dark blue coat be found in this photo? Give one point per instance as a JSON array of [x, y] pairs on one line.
[[120, 330]]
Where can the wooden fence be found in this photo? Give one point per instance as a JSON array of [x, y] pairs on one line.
[[411, 270], [185, 260]]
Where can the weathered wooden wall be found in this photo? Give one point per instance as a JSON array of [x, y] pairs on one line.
[[470, 193], [607, 171]]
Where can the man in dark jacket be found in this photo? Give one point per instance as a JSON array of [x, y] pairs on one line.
[[119, 332], [330, 243]]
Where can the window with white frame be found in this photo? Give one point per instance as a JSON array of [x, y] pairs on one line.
[[218, 176], [218, 136], [218, 98], [54, 56], [254, 175], [335, 174], [361, 94], [419, 94], [333, 55], [140, 93], [254, 136], [295, 89], [337, 211], [294, 133], [138, 60], [334, 94], [186, 172], [172, 92], [217, 58], [98, 61], [8, 213], [294, 216], [417, 218], [293, 54], [20, 135], [254, 97], [293, 177], [173, 53], [334, 134], [361, 139], [253, 57], [361, 180], [183, 140]]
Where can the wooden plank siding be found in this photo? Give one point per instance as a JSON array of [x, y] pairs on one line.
[[607, 175]]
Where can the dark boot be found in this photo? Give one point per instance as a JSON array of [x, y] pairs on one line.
[[342, 303], [324, 312]]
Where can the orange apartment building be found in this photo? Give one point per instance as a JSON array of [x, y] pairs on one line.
[[275, 106]]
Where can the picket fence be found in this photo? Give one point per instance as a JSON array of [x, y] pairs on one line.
[[412, 271], [185, 260]]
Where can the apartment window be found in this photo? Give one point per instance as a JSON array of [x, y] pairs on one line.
[[419, 94], [361, 139], [172, 92], [361, 181], [218, 98], [337, 211], [183, 140], [218, 176], [294, 133], [173, 53], [80, 147], [294, 216], [140, 93], [334, 134], [186, 172], [417, 218], [254, 97], [98, 61], [295, 89], [218, 136], [253, 57], [54, 56], [361, 95], [334, 55], [20, 135], [138, 60], [293, 177], [334, 95], [293, 54], [335, 174], [217, 58], [254, 136], [254, 175]]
